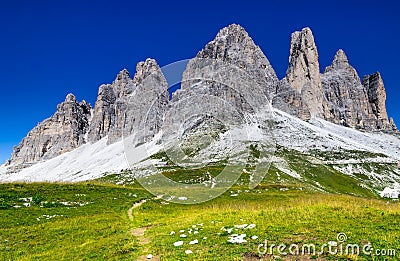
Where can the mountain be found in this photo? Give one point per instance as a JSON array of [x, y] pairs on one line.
[[337, 95], [234, 48], [352, 103], [62, 132], [230, 100], [348, 98], [228, 80], [322, 155]]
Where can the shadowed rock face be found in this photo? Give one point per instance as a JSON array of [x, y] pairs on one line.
[[377, 98], [289, 100], [348, 99], [62, 132], [122, 106], [141, 111], [105, 115]]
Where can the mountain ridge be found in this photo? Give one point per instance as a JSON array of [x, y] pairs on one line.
[[304, 92]]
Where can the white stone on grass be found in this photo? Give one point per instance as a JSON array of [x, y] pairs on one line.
[[178, 243], [251, 226], [237, 239], [193, 242]]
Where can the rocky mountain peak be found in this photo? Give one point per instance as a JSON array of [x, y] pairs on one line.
[[70, 107], [233, 44], [347, 98], [376, 91], [233, 47], [150, 100], [340, 58], [122, 84], [340, 66], [123, 78], [393, 125], [303, 38], [233, 33], [85, 104], [144, 69], [70, 98], [123, 74], [340, 61]]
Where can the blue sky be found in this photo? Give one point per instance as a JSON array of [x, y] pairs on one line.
[[51, 48]]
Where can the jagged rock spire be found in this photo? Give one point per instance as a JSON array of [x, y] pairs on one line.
[[353, 104], [303, 60], [123, 75], [340, 61], [303, 73], [376, 94], [340, 57], [377, 98], [70, 98], [144, 69], [141, 113]]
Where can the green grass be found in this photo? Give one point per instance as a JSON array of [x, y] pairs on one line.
[[100, 230], [281, 217], [329, 179], [345, 154]]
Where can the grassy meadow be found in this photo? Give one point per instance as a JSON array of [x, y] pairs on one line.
[[90, 221]]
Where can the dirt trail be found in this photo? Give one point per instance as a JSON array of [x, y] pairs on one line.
[[139, 232], [136, 205]]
